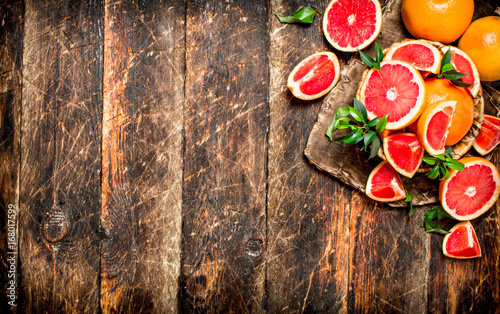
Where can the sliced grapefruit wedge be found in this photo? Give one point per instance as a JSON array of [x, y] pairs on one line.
[[489, 135], [461, 242], [384, 184], [469, 193], [404, 152], [349, 25], [434, 124], [423, 55], [396, 91], [314, 76], [464, 64]]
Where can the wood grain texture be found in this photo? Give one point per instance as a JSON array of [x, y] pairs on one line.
[[226, 123], [60, 162], [308, 211], [11, 13], [142, 155]]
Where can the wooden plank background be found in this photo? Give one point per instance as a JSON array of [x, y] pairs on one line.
[[155, 162]]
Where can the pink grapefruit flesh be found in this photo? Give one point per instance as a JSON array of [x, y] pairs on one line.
[[434, 124], [424, 56], [314, 76], [384, 184], [489, 136], [464, 64], [404, 152], [349, 25], [461, 242]]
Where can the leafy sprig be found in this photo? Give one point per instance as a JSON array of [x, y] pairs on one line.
[[363, 130], [369, 60], [303, 15], [447, 71], [433, 226], [408, 200], [441, 163]]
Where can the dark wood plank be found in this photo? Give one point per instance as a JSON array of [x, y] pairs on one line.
[[11, 13], [60, 165], [308, 210], [142, 155], [226, 123]]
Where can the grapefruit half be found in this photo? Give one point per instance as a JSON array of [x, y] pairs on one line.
[[469, 193], [384, 184], [420, 53], [349, 25], [461, 242], [489, 135], [314, 76], [434, 125], [396, 91], [464, 64], [404, 152]]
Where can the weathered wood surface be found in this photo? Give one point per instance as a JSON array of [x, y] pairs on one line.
[[141, 156], [157, 162]]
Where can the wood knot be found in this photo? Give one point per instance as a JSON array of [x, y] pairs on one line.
[[55, 225], [255, 248]]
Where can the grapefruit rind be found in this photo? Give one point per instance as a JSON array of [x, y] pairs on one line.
[[435, 54], [425, 129], [472, 244], [470, 191], [413, 148], [295, 86], [395, 186], [373, 78], [489, 135], [474, 88], [351, 19]]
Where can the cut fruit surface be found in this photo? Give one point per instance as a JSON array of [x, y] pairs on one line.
[[437, 89], [384, 184], [461, 242], [396, 91], [464, 64], [404, 152], [434, 124], [489, 136], [420, 53], [469, 193], [314, 76], [349, 25]]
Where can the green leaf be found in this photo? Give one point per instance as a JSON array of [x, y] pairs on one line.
[[434, 173], [447, 67], [441, 157], [367, 59], [453, 75], [429, 160], [381, 124], [441, 213], [369, 138], [360, 107], [376, 65], [355, 114], [302, 15], [342, 111], [456, 165], [446, 59], [373, 122], [431, 214], [409, 200], [353, 136], [379, 53], [331, 128], [460, 83], [434, 227], [374, 148]]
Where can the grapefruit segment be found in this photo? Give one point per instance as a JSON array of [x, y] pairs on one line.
[[461, 242], [489, 136], [404, 152], [469, 193], [396, 91], [349, 25], [384, 184], [434, 124], [314, 76], [464, 64], [424, 56]]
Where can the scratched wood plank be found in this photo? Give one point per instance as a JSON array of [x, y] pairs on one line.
[[11, 13], [226, 122], [60, 162], [142, 155], [308, 210]]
